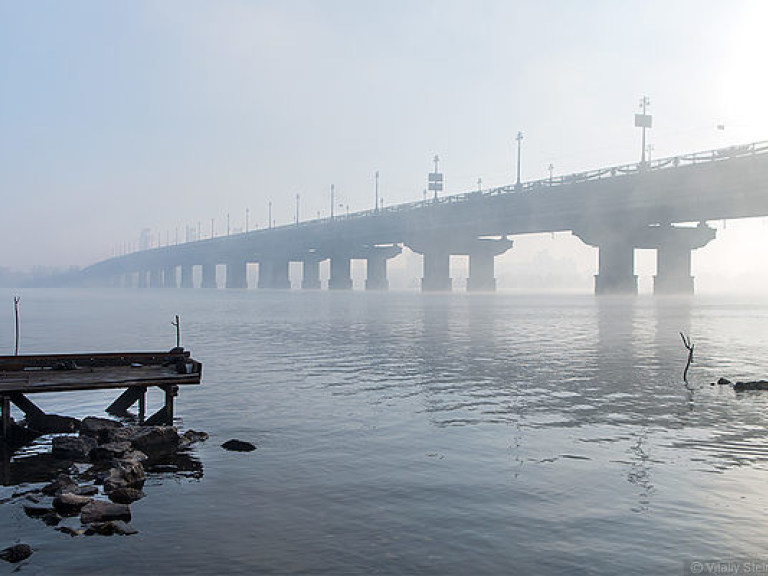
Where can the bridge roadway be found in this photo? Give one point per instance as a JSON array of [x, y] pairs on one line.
[[615, 209]]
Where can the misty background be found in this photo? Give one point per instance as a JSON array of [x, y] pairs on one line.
[[118, 117]]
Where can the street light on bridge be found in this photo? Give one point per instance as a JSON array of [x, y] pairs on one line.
[[519, 139], [643, 121]]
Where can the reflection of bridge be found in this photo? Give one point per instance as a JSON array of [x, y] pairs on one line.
[[615, 209]]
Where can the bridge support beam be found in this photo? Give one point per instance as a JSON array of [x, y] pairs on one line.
[[341, 276], [142, 279], [376, 266], [673, 257], [437, 271], [237, 274], [311, 274], [481, 263], [273, 275], [186, 276], [155, 278], [616, 269], [209, 276], [169, 277]]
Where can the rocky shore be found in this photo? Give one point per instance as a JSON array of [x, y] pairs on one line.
[[106, 476]]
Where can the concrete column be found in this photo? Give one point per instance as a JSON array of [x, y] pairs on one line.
[[142, 280], [311, 274], [437, 266], [481, 263], [169, 277], [128, 280], [616, 269], [155, 278], [341, 277], [673, 257], [274, 274], [209, 276], [376, 268], [237, 274], [186, 276]]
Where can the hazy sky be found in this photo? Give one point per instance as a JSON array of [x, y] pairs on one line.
[[122, 115]]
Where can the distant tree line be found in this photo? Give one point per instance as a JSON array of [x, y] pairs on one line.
[[37, 276]]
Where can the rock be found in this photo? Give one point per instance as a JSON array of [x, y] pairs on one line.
[[37, 511], [724, 382], [100, 511], [154, 439], [190, 437], [87, 490], [110, 451], [70, 531], [126, 495], [238, 446], [53, 424], [130, 472], [73, 447], [63, 483], [68, 504], [109, 528], [756, 385], [51, 519], [92, 426], [16, 553]]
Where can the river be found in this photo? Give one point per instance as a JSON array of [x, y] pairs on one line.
[[401, 433]]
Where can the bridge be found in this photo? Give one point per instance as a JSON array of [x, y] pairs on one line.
[[662, 205]]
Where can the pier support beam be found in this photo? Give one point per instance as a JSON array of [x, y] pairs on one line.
[[311, 273], [155, 278], [376, 267], [437, 271], [274, 274], [209, 276], [237, 274], [616, 269], [481, 263], [169, 277], [186, 276], [673, 257], [341, 276]]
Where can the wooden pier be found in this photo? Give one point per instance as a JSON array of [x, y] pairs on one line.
[[21, 376]]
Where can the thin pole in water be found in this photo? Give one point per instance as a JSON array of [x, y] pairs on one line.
[[177, 323], [16, 300]]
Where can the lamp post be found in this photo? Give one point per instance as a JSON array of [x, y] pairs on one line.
[[376, 203], [227, 223], [551, 169], [332, 192], [247, 212], [270, 215], [519, 139], [643, 121], [297, 209], [211, 227]]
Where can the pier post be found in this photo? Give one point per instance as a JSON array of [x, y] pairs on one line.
[[482, 254], [673, 257], [155, 278], [237, 274], [169, 277], [209, 276], [186, 276], [341, 278], [311, 273], [274, 274], [376, 267], [437, 276], [6, 406]]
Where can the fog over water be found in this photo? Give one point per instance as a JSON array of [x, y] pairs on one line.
[[123, 117]]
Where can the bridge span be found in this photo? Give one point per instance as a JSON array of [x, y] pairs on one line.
[[662, 205]]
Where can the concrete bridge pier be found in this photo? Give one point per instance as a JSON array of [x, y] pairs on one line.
[[341, 274], [128, 280], [273, 274], [169, 277], [376, 266], [616, 259], [142, 279], [481, 263], [186, 276], [437, 271], [311, 273], [237, 271], [673, 257], [209, 276], [156, 278]]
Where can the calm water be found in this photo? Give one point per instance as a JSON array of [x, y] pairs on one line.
[[411, 434]]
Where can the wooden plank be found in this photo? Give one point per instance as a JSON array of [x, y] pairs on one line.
[[90, 359], [5, 402], [31, 411], [127, 399]]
